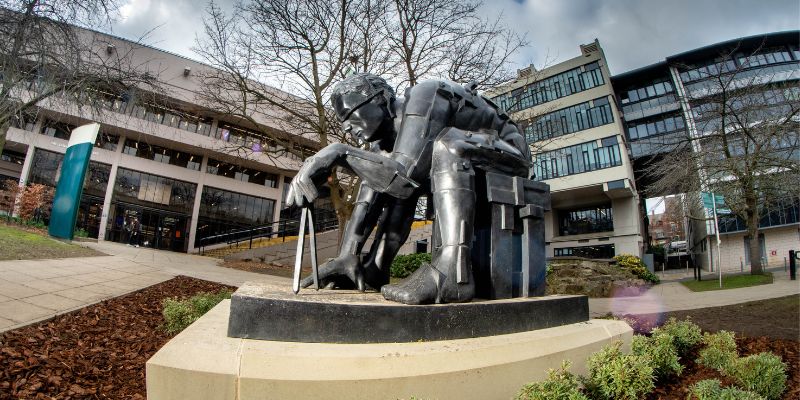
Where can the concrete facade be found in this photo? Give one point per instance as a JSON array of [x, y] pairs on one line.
[[179, 85], [609, 186]]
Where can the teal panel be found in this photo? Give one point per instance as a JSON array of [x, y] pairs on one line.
[[68, 191]]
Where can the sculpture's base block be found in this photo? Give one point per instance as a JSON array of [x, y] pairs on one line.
[[202, 362], [261, 311]]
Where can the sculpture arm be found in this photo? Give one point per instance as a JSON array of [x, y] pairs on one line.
[[379, 173]]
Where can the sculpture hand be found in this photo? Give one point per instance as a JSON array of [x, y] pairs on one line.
[[343, 271], [302, 189]]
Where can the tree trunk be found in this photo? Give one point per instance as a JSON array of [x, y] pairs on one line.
[[3, 132], [752, 231]]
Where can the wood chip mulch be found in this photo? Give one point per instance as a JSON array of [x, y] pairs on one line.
[[97, 352], [679, 388]]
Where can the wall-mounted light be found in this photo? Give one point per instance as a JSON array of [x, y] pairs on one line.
[[110, 48], [187, 71]]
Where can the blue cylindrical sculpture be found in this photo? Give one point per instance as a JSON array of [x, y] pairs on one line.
[[70, 184]]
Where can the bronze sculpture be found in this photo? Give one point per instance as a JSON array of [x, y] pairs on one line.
[[431, 142]]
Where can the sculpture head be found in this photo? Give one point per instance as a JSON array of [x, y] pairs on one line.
[[363, 104]]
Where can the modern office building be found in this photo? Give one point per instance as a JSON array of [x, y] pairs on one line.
[[578, 143], [665, 103], [183, 171]]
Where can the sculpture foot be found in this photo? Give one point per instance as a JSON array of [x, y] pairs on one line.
[[341, 272], [374, 278], [429, 285]]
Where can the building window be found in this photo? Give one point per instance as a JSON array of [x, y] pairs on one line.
[[577, 159], [555, 87], [12, 157], [60, 130], [154, 191], [222, 211], [569, 120], [162, 155], [599, 251], [658, 126], [586, 220], [45, 167], [250, 175]]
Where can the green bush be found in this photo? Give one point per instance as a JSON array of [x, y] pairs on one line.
[[719, 352], [178, 314], [637, 267], [660, 350], [405, 265], [81, 233], [763, 373], [617, 376], [685, 334], [559, 385], [710, 389]]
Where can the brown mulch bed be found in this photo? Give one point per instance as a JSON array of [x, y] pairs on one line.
[[97, 352], [678, 388], [262, 268]]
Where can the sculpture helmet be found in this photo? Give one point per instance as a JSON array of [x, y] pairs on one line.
[[357, 90]]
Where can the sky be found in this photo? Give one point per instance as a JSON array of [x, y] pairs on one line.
[[633, 33]]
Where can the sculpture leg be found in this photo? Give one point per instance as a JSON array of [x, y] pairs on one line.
[[449, 279], [345, 270], [393, 230]]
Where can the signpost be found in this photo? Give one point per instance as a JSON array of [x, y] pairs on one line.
[[716, 204]]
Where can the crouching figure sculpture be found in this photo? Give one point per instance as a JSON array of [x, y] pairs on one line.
[[441, 140]]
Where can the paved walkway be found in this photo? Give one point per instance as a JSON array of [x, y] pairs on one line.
[[672, 296], [33, 290]]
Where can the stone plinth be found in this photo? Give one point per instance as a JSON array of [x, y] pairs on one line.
[[202, 362], [267, 312]]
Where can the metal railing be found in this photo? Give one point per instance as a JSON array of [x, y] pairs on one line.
[[285, 227]]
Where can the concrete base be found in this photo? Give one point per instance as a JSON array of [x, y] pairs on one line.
[[202, 362]]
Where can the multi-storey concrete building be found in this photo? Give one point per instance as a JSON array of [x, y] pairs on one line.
[[665, 103], [568, 115], [168, 162]]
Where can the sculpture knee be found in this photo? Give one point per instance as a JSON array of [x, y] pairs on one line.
[[449, 152]]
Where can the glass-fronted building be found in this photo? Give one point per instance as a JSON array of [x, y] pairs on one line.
[[669, 106], [568, 116], [186, 173]]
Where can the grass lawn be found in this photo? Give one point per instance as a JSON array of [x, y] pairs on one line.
[[729, 282], [19, 244]]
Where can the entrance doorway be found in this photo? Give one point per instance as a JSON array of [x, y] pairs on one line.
[[159, 229]]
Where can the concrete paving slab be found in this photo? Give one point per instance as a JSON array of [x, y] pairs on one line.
[[4, 298], [82, 294], [6, 323], [53, 302], [17, 277], [20, 311], [72, 282], [49, 285], [124, 286], [105, 289], [17, 291]]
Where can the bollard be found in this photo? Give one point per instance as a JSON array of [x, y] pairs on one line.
[[784, 264], [741, 264], [793, 264]]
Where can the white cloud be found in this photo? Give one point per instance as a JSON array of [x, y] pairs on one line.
[[633, 33]]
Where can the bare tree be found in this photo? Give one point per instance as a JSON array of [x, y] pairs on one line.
[[302, 48], [46, 55], [744, 145], [440, 38]]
